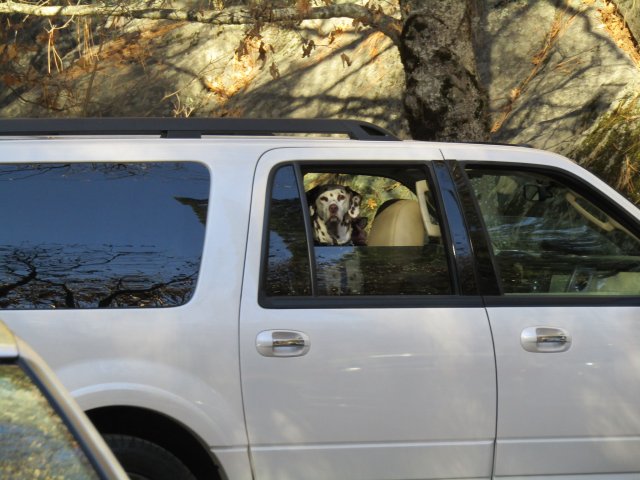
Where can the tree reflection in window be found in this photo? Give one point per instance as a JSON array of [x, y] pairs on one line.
[[98, 235], [288, 271], [547, 238], [388, 267]]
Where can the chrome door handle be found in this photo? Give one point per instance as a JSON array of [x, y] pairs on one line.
[[282, 343], [545, 339]]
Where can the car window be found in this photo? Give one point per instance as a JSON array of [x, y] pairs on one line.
[[373, 233], [287, 271], [34, 441], [548, 238], [101, 235]]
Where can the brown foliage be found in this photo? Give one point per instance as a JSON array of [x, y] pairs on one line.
[[308, 46]]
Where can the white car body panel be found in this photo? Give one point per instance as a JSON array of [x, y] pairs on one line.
[[578, 410], [377, 387], [166, 360]]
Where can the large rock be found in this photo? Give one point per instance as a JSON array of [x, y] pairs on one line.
[[147, 68], [611, 147], [551, 71]]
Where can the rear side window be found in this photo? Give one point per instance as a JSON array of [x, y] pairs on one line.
[[336, 230], [101, 235]]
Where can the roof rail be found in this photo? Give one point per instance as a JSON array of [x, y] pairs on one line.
[[189, 127]]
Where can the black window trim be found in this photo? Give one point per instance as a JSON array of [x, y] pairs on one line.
[[369, 301], [456, 231], [585, 189], [460, 261], [486, 266]]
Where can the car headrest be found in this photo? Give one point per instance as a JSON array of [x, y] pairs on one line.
[[398, 224]]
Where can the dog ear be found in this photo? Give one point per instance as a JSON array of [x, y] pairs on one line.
[[354, 203]]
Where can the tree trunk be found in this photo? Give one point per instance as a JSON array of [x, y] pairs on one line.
[[443, 99]]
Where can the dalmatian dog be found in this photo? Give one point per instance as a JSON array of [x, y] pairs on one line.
[[334, 210]]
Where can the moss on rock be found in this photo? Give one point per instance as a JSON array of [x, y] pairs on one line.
[[611, 148]]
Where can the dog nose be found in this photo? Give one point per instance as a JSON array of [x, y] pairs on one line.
[[333, 209]]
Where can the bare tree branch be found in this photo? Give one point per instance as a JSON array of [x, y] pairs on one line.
[[5, 289], [108, 300], [375, 19]]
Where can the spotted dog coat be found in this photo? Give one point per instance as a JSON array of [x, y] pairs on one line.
[[333, 208]]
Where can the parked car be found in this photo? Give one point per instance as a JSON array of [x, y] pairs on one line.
[[43, 432], [226, 301]]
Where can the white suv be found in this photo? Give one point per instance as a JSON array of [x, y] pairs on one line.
[[229, 302]]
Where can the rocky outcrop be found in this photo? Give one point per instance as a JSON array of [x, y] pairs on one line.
[[551, 71], [321, 68], [611, 147]]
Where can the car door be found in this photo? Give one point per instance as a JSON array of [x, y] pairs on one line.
[[566, 329], [363, 361]]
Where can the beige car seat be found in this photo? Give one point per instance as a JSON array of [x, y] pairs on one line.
[[397, 225]]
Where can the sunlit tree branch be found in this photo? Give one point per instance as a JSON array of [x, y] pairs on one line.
[[375, 19]]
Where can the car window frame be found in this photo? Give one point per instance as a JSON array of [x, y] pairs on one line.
[[460, 263], [474, 217]]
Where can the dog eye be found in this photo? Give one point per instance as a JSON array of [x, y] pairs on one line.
[[341, 197], [324, 199]]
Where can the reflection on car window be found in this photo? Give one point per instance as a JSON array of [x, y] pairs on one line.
[[287, 272], [547, 238], [369, 235], [94, 235], [34, 442]]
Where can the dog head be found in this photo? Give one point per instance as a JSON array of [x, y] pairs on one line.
[[333, 209]]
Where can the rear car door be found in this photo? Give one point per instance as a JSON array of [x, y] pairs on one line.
[[371, 359], [566, 249]]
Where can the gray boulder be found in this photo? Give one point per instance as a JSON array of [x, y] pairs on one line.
[[551, 71]]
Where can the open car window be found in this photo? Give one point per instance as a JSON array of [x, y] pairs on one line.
[[342, 231], [547, 238]]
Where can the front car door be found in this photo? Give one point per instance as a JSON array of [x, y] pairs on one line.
[[371, 359], [566, 251]]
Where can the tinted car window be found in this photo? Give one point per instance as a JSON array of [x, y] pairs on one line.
[[548, 238], [287, 272], [97, 235], [34, 441], [382, 247]]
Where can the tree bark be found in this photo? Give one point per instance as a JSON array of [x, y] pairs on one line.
[[443, 99]]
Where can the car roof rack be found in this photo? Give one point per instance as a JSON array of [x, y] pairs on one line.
[[190, 127]]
